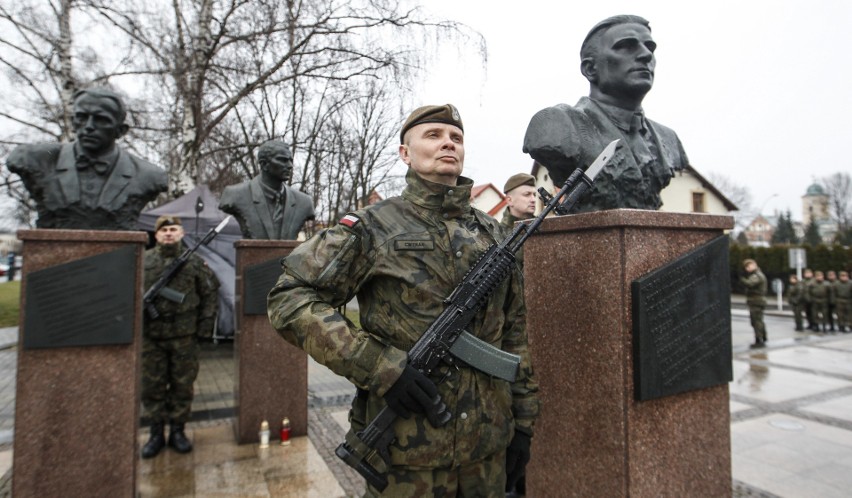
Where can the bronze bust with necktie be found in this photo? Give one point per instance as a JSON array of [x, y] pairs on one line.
[[617, 58], [265, 206], [90, 183]]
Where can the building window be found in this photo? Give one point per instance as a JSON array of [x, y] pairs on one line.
[[698, 202]]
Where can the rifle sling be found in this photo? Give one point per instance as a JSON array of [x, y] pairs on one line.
[[485, 357]]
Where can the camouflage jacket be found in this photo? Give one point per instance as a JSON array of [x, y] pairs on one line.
[[843, 291], [819, 292], [196, 281], [796, 294], [401, 258], [755, 284]]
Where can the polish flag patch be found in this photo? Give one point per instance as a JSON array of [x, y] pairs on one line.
[[350, 220]]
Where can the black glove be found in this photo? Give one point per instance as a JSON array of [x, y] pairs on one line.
[[413, 392], [517, 457]]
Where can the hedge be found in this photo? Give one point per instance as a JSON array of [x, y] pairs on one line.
[[773, 261]]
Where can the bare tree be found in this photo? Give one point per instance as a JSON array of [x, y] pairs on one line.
[[213, 55], [207, 81], [739, 195], [37, 62], [838, 187]]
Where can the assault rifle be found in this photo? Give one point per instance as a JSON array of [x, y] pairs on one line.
[[159, 288], [368, 451]]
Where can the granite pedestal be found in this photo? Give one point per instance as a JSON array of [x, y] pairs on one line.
[[272, 375], [77, 407], [593, 438]]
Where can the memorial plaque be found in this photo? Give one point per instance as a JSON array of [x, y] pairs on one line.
[[258, 280], [87, 302], [682, 324]]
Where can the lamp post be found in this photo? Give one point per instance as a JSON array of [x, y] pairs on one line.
[[760, 211]]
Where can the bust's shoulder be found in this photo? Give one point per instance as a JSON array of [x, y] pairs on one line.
[[299, 195], [236, 187], [30, 156]]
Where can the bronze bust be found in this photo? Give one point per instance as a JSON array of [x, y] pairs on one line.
[[617, 58], [91, 183], [265, 206]]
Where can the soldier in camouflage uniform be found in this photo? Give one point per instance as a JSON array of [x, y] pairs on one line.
[[170, 342], [819, 293], [796, 299], [401, 258], [808, 281], [843, 295], [755, 284], [831, 309]]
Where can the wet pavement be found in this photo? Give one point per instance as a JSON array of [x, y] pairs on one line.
[[791, 425]]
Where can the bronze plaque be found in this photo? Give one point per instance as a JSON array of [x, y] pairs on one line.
[[87, 302], [258, 280], [682, 324]]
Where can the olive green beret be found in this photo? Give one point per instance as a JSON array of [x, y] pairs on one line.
[[166, 220], [432, 114], [516, 181]]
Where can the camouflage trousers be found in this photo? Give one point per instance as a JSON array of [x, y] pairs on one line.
[[169, 368], [756, 315], [821, 314], [844, 313], [798, 315], [486, 479]]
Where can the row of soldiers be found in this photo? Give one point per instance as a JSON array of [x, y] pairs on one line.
[[819, 297]]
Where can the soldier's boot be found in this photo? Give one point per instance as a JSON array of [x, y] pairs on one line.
[[177, 439], [155, 443]]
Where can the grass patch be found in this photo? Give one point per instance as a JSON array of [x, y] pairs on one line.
[[10, 301]]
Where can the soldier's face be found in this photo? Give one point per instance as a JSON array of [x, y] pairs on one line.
[[625, 62], [169, 234], [435, 151], [96, 123], [521, 201]]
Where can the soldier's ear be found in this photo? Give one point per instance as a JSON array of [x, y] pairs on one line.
[[587, 67], [403, 154], [122, 129]]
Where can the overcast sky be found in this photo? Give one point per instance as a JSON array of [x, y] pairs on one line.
[[758, 91]]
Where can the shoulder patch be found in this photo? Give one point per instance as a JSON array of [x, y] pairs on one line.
[[350, 220]]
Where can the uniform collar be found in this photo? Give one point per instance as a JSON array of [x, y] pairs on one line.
[[169, 250], [450, 200]]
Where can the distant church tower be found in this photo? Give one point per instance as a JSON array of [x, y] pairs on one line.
[[814, 205]]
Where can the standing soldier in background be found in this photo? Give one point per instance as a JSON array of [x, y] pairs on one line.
[[520, 204], [796, 299], [170, 341], [844, 302], [520, 199], [755, 284], [808, 281], [819, 293], [831, 281]]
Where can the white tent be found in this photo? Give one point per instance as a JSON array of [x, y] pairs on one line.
[[199, 211]]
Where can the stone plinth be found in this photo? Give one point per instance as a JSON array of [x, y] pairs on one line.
[[593, 438], [272, 375], [77, 408]]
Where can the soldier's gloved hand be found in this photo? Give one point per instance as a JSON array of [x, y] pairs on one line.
[[413, 392], [517, 457]]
